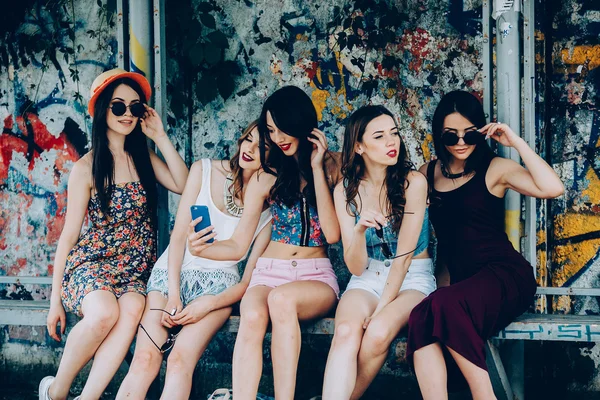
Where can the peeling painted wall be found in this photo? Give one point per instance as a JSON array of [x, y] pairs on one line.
[[569, 131], [291, 44], [45, 128], [276, 43], [575, 134], [438, 44]]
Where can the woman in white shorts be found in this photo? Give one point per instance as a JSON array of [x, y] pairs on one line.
[[189, 297], [381, 206]]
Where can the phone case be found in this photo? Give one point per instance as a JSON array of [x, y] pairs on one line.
[[201, 211]]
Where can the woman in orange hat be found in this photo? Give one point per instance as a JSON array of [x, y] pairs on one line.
[[101, 274]]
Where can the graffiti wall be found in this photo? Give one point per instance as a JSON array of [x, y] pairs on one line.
[[51, 53], [345, 54], [569, 72], [575, 135]]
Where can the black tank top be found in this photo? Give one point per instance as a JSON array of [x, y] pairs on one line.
[[469, 226]]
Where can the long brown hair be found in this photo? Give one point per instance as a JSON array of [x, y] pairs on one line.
[[103, 164], [353, 166], [294, 113], [234, 162]]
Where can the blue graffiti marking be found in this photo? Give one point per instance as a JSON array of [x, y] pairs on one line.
[[569, 331], [504, 333], [589, 333]]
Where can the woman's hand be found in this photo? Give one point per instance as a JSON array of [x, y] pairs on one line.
[[55, 315], [501, 133], [319, 141], [152, 125], [370, 219], [173, 306], [195, 311], [197, 241], [372, 317]]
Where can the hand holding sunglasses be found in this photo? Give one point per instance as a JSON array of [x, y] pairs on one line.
[[152, 125], [370, 219], [386, 249], [501, 133], [171, 334]]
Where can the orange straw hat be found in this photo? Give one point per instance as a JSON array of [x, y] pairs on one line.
[[105, 79]]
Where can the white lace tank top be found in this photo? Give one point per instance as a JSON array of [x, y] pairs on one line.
[[224, 224]]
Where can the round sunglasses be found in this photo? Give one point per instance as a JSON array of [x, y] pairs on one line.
[[118, 108], [171, 334], [470, 138]]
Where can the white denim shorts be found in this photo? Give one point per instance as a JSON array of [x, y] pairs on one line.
[[419, 277]]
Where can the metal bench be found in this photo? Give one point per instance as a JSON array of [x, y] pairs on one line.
[[508, 345]]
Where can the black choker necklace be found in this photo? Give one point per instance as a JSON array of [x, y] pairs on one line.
[[449, 175]]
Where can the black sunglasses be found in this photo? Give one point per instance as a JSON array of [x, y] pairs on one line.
[[171, 334], [385, 248], [470, 138], [118, 108]]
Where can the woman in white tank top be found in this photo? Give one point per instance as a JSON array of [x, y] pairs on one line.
[[190, 298]]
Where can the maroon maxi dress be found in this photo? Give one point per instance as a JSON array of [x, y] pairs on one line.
[[491, 283]]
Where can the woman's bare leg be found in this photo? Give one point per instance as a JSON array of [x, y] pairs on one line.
[[340, 372], [289, 303], [146, 359], [113, 349], [248, 350], [100, 313]]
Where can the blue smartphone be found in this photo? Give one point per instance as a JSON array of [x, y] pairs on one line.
[[201, 211]]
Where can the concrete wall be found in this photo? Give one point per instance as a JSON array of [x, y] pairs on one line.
[[569, 96], [435, 47], [47, 63]]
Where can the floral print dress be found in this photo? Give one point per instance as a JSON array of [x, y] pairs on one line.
[[116, 253]]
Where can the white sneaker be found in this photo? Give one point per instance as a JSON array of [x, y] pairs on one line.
[[44, 386]]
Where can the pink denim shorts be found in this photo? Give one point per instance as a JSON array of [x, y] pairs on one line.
[[273, 272]]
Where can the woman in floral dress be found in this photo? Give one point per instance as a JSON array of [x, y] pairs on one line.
[[102, 274]]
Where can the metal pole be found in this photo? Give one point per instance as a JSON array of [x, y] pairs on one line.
[[140, 37], [529, 251], [487, 62], [508, 61], [160, 104], [508, 73], [121, 39]]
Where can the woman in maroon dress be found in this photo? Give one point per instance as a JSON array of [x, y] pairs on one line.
[[490, 282]]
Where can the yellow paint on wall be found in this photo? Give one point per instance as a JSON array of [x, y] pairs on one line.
[[572, 224], [138, 54], [571, 258], [425, 146], [561, 304], [319, 99], [592, 192], [583, 54], [512, 226]]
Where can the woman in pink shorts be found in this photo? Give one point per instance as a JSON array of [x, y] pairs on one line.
[[294, 279]]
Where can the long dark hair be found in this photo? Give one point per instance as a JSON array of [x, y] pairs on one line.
[[103, 164], [353, 166], [294, 114], [237, 172], [469, 107]]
